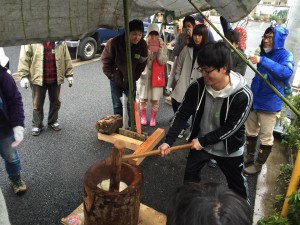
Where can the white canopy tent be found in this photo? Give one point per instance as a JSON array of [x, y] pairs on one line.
[[30, 21]]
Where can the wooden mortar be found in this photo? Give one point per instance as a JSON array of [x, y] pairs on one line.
[[112, 207]]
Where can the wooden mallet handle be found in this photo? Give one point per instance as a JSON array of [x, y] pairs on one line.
[[153, 152], [116, 164]]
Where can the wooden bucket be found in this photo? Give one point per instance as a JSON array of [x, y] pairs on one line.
[[112, 208]]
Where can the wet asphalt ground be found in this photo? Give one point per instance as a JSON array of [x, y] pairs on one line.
[[54, 163]]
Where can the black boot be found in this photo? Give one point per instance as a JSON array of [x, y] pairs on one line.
[[251, 149], [263, 154]]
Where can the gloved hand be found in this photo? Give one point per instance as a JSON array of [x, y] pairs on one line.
[[24, 82], [19, 135], [70, 80]]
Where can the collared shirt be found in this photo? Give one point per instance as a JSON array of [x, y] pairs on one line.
[[50, 74]]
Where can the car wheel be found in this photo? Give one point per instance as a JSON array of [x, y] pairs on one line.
[[87, 48]]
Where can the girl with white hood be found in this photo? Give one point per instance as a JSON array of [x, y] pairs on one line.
[[145, 89]]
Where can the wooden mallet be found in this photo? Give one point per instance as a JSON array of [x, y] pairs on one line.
[[112, 160], [116, 164]]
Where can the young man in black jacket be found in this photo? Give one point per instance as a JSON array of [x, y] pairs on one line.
[[219, 103]]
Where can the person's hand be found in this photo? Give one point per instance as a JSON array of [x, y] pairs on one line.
[[19, 135], [186, 40], [254, 59], [164, 149], [70, 80], [189, 32], [24, 82], [161, 44], [196, 145]]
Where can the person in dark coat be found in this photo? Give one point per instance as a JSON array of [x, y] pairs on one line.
[[11, 129], [115, 63]]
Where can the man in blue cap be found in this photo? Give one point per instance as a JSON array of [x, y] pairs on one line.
[[200, 20]]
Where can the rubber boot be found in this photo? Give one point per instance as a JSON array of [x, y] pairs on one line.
[[143, 116], [263, 154], [153, 118], [251, 149]]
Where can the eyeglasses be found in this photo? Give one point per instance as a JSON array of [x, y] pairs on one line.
[[201, 70], [269, 38]]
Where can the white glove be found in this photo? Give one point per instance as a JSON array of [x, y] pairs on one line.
[[19, 135], [70, 80], [24, 82]]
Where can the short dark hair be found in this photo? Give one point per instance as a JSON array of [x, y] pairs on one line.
[[215, 54], [202, 30], [189, 19], [207, 203], [269, 30], [233, 36], [136, 25]]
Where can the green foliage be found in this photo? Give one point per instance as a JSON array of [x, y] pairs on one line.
[[279, 200], [282, 14], [284, 19], [295, 100], [274, 17], [257, 18], [294, 208], [285, 173], [274, 219], [291, 139], [293, 217]]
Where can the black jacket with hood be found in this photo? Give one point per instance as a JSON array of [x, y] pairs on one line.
[[234, 112]]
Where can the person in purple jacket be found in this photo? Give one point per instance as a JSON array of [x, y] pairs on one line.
[[11, 129]]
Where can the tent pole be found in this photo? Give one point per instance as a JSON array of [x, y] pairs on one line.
[[247, 62], [129, 64]]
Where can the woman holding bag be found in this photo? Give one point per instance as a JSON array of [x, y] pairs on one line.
[[186, 70], [157, 57]]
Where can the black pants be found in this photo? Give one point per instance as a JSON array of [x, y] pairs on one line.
[[232, 168], [175, 105]]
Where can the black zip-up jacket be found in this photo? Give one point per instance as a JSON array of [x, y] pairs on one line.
[[232, 117]]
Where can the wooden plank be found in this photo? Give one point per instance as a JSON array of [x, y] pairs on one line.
[[147, 216], [132, 134], [149, 144], [130, 143]]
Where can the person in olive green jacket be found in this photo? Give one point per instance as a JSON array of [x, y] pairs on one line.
[[44, 66]]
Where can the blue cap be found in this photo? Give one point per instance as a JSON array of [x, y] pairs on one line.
[[198, 17]]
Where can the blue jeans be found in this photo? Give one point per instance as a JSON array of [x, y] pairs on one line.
[[116, 94], [10, 156]]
